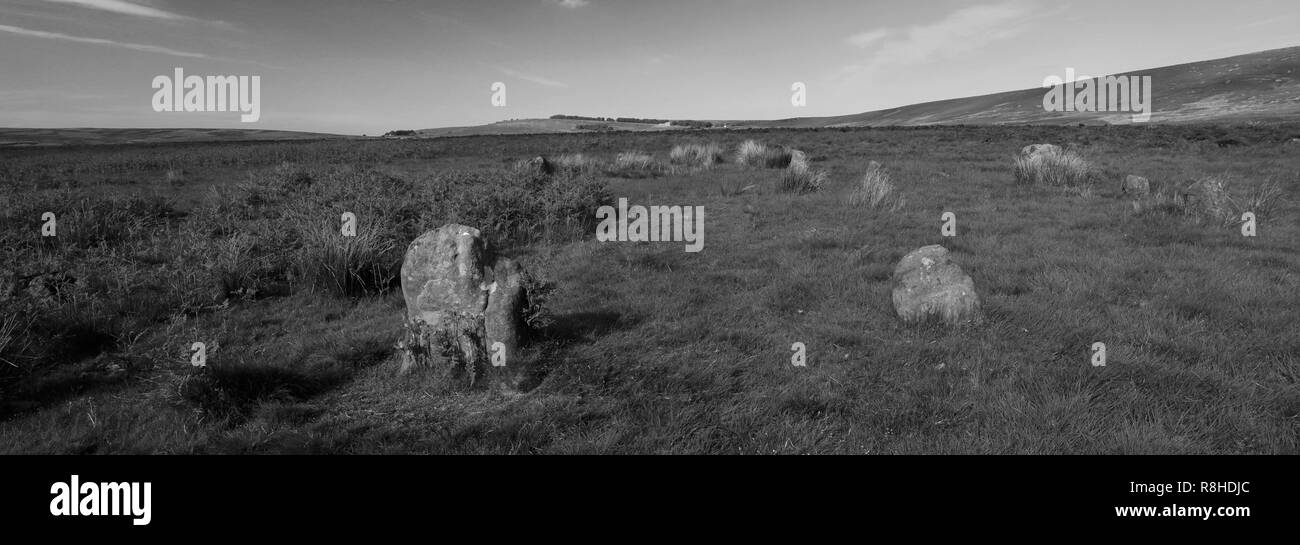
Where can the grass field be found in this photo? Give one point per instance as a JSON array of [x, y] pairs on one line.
[[650, 349]]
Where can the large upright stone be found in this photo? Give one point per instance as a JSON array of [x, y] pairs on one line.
[[442, 275], [461, 297], [928, 283]]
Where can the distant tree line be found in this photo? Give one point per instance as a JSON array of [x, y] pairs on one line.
[[400, 133], [678, 123], [582, 118]]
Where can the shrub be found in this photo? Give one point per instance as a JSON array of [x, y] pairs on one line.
[[511, 210], [111, 220]]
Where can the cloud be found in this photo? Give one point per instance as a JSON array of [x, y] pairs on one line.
[[99, 41], [865, 39], [571, 4], [125, 8], [961, 31], [534, 79]]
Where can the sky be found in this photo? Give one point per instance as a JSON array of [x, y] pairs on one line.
[[368, 67]]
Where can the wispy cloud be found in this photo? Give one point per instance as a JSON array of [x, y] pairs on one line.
[[571, 4], [532, 78], [961, 31], [865, 39], [100, 41], [125, 8]]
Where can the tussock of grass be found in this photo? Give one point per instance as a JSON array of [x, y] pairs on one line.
[[635, 164], [875, 190], [1264, 200], [349, 266], [755, 154], [175, 176], [696, 155], [1209, 200], [1065, 169], [577, 163], [801, 181]]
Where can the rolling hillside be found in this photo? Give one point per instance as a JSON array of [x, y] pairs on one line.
[[1252, 87], [1259, 86]]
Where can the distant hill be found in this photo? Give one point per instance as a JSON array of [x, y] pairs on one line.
[[542, 126], [1261, 86], [86, 136]]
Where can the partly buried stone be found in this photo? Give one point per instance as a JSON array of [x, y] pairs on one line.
[[539, 165], [1135, 185], [1209, 198], [928, 283], [1037, 149], [460, 300]]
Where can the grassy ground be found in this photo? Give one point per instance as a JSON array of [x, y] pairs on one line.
[[655, 350]]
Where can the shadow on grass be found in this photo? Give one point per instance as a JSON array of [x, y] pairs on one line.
[[550, 343], [232, 393], [36, 393], [585, 326]]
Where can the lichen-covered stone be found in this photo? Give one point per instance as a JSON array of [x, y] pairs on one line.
[[928, 283]]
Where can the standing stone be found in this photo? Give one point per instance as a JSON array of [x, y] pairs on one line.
[[1135, 185], [1033, 150], [443, 274], [798, 161], [928, 283], [442, 282], [461, 299], [503, 320]]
